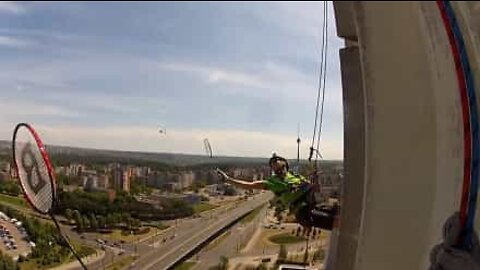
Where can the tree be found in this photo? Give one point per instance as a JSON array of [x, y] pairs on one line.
[[129, 222], [117, 218], [86, 222], [78, 220], [319, 255], [110, 221], [6, 263], [102, 222], [305, 256], [93, 222], [126, 218], [68, 214], [136, 223]]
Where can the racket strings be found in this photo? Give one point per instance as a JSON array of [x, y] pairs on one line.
[[33, 171]]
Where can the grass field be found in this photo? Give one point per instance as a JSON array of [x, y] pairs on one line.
[[18, 201], [285, 238]]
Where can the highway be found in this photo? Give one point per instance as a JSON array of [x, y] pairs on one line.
[[163, 250], [190, 233], [229, 245]]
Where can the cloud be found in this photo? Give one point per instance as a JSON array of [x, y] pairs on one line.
[[11, 109], [146, 138], [216, 75], [7, 41], [272, 78], [12, 7]]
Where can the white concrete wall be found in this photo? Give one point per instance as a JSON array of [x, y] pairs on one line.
[[404, 143]]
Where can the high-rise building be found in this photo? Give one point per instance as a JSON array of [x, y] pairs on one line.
[[90, 180], [103, 181], [90, 183], [117, 177], [126, 181]]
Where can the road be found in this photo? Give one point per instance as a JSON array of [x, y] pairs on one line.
[[189, 233], [229, 245]]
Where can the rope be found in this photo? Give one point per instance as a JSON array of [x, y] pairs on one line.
[[320, 78], [323, 84]]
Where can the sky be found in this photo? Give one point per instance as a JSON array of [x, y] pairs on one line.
[[110, 75]]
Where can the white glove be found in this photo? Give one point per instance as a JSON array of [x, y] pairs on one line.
[[448, 256], [222, 174]]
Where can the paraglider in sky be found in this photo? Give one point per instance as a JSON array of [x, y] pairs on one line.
[[162, 131]]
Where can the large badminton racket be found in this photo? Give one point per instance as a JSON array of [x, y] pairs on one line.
[[36, 174], [208, 148]]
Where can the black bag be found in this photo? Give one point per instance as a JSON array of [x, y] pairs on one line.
[[321, 216]]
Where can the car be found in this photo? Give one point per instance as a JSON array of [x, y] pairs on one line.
[[100, 241]]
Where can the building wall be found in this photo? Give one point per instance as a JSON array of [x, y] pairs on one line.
[[403, 131]]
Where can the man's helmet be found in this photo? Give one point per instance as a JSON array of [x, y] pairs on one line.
[[275, 159]]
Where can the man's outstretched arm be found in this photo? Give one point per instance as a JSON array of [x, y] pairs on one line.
[[241, 183]]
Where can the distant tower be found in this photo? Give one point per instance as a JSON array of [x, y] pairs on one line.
[[298, 148]]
